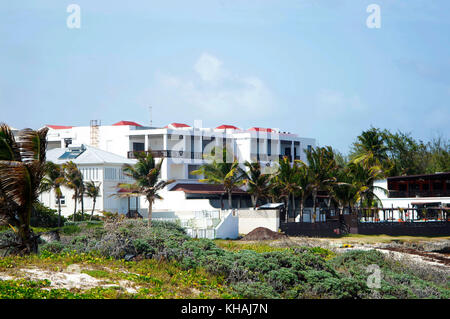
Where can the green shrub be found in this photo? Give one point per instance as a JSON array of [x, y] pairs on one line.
[[82, 217], [43, 216], [255, 290]]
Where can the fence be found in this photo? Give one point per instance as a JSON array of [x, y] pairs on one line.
[[430, 221]]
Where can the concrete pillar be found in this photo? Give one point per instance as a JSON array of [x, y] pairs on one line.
[[146, 142], [165, 143], [292, 150]]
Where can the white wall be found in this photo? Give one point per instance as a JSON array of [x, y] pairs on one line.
[[251, 219], [228, 227]]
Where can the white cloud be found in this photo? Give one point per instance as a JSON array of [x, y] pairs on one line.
[[332, 103], [209, 68], [213, 91]]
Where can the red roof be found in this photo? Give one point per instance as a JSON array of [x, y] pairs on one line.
[[204, 189], [58, 127], [224, 126], [127, 123], [261, 129], [178, 125]]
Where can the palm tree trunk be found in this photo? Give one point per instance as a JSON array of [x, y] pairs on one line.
[[254, 201], [28, 244], [301, 210], [230, 201], [293, 204], [93, 208], [150, 204], [59, 211], [286, 215], [82, 204], [75, 208], [313, 219]]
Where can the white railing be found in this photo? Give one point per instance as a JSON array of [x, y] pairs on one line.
[[201, 226]]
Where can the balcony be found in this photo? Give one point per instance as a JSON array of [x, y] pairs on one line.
[[412, 194], [168, 154]]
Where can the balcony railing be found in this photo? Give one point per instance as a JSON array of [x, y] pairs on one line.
[[411, 194], [168, 154]]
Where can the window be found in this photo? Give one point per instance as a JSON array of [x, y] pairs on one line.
[[62, 200], [138, 147], [309, 148], [193, 168], [110, 173]]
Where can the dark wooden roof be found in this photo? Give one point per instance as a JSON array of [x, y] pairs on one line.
[[204, 189]]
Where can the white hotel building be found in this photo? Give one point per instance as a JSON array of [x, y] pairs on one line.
[[183, 148]]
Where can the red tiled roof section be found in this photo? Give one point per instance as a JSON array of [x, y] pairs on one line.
[[178, 125], [58, 127], [204, 189], [261, 129], [127, 123], [223, 127]]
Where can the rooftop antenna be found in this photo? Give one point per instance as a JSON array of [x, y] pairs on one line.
[[151, 122], [95, 124]]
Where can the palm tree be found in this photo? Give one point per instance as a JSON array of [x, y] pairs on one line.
[[257, 182], [147, 182], [222, 173], [370, 149], [54, 179], [363, 179], [322, 168], [22, 167], [303, 181], [93, 191], [286, 178], [73, 179]]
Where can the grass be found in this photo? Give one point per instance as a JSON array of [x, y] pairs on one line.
[[373, 239], [151, 279]]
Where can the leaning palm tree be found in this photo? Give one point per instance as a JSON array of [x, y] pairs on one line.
[[146, 176], [257, 182], [92, 191], [222, 173], [53, 180], [73, 179], [22, 167]]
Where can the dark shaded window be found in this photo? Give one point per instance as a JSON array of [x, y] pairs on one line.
[[138, 147]]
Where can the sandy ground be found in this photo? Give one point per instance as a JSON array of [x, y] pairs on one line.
[[70, 278]]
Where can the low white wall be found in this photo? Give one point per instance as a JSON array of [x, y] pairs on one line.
[[228, 227], [251, 219]]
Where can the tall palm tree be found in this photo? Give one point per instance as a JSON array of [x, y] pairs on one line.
[[303, 180], [53, 180], [257, 182], [370, 149], [92, 191], [322, 168], [22, 167], [286, 178], [73, 179], [146, 176], [222, 173]]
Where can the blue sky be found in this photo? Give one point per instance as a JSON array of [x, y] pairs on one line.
[[311, 67]]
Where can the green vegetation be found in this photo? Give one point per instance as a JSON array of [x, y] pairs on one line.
[[163, 262]]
